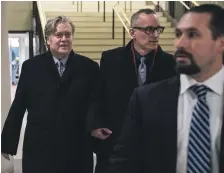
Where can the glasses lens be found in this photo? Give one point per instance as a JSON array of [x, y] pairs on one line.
[[160, 29], [151, 30]]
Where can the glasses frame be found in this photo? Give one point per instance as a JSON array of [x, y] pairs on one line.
[[146, 29]]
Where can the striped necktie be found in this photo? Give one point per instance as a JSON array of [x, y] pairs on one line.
[[60, 67], [142, 71], [199, 145]]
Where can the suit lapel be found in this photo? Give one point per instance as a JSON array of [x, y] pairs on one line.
[[128, 67], [71, 65], [168, 112], [153, 65], [51, 67], [152, 61], [221, 158], [169, 124]]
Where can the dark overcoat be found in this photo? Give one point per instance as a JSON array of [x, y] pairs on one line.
[[56, 137]]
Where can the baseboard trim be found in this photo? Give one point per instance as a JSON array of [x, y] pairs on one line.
[[9, 171]]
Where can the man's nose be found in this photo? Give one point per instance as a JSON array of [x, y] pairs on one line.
[[63, 38], [156, 34], [181, 42]]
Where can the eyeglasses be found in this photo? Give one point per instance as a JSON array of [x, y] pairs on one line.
[[150, 29], [61, 34]]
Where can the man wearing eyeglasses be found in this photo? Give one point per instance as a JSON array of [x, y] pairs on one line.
[[122, 69], [182, 130]]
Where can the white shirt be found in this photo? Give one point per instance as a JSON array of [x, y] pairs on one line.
[[186, 102]]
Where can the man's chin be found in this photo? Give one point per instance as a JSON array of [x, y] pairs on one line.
[[152, 46], [187, 69], [64, 51]]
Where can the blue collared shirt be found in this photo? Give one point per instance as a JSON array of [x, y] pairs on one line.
[[64, 60]]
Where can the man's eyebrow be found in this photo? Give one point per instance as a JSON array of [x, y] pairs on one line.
[[186, 29]]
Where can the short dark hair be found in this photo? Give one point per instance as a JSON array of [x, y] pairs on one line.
[[216, 12], [135, 16]]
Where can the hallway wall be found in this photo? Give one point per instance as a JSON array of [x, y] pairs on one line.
[[7, 166], [19, 15]]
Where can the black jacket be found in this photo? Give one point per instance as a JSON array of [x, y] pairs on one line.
[[118, 80], [56, 137], [148, 143]]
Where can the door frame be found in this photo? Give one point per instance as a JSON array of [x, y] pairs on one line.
[[30, 32]]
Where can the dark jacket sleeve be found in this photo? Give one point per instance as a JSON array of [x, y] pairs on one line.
[[13, 123], [99, 118], [126, 157], [94, 100], [170, 65]]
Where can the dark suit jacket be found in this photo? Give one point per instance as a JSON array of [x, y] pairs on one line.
[[118, 80], [148, 143], [56, 138]]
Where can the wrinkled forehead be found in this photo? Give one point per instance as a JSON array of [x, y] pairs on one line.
[[199, 21], [147, 20], [63, 27]]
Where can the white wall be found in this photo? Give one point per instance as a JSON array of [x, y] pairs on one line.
[[19, 15], [6, 166], [90, 6]]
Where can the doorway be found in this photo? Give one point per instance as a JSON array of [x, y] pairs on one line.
[[18, 52], [20, 49]]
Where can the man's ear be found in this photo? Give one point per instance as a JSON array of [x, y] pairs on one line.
[[132, 33], [47, 40], [222, 43]]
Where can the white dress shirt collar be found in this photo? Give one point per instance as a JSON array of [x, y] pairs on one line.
[[215, 83]]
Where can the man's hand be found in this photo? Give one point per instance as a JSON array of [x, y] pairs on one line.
[[101, 133], [6, 156]]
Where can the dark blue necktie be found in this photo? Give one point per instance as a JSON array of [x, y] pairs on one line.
[[199, 146]]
